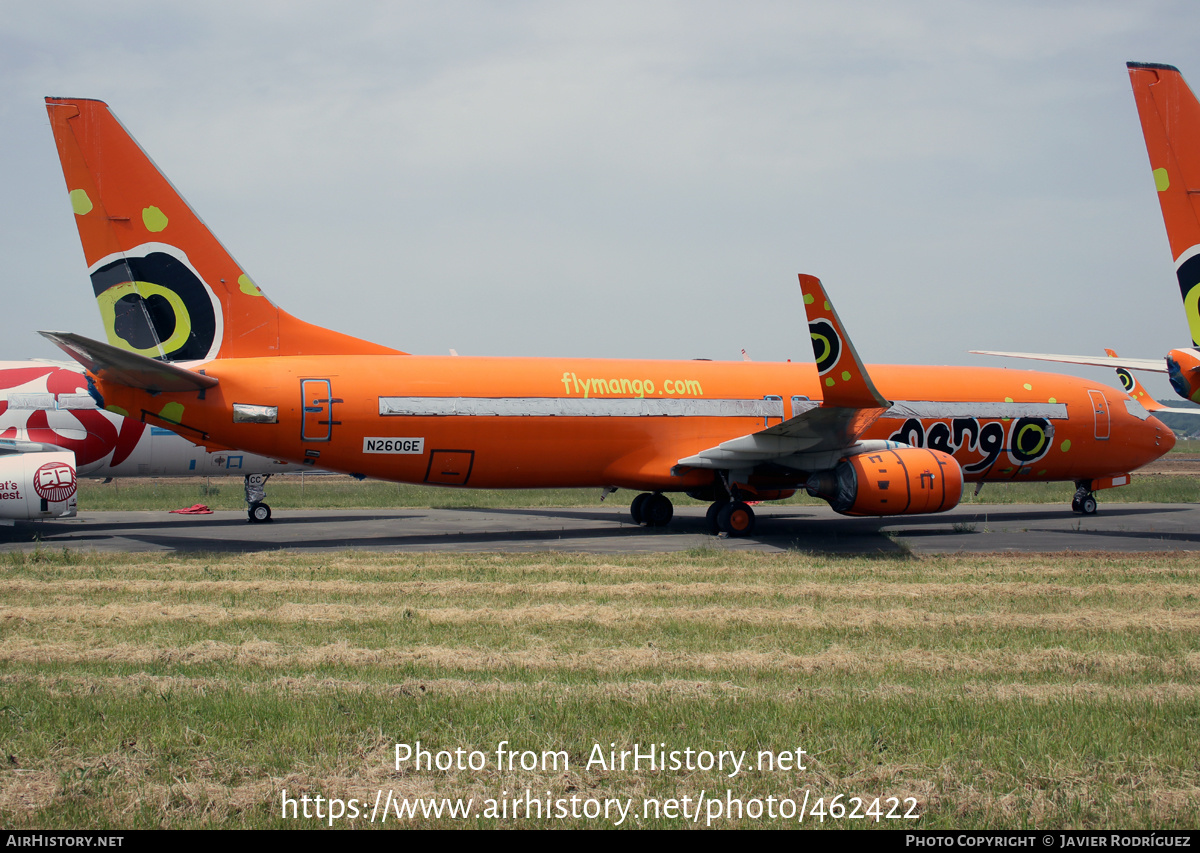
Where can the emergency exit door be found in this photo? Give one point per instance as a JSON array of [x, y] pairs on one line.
[[1100, 410], [317, 397]]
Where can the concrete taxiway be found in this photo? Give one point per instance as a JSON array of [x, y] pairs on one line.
[[977, 529]]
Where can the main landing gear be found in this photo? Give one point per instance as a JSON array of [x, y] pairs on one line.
[[1084, 501], [256, 491], [652, 510], [731, 517]]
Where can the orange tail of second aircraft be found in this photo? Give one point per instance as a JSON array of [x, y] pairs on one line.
[[1170, 117], [165, 286]]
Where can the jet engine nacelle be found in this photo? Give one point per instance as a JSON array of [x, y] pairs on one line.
[[902, 481], [37, 485]]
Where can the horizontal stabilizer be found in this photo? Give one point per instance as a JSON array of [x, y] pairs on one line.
[[122, 367], [1154, 365]]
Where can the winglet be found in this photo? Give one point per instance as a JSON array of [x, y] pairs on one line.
[[844, 380], [121, 367], [1170, 117], [1134, 388]]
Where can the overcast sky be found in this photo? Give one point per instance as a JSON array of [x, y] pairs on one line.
[[626, 179]]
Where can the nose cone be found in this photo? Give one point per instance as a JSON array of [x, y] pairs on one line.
[[1152, 439], [1137, 439], [1166, 436]]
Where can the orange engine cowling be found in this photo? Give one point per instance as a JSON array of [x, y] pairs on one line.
[[903, 481]]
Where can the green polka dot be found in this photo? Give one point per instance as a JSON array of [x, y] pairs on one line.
[[808, 299], [1065, 446], [247, 286], [828, 307], [154, 219], [1027, 387], [117, 410], [172, 412], [1052, 400], [845, 375], [1161, 179], [80, 203], [1008, 399], [1042, 473], [829, 382]]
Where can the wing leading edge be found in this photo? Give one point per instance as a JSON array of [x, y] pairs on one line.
[[820, 433], [1152, 365]]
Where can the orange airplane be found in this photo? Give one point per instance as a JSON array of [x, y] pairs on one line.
[[195, 346], [1170, 117]]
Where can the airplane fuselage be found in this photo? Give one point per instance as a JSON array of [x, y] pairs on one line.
[[561, 422]]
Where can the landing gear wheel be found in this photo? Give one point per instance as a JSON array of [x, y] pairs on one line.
[[657, 511], [710, 518], [637, 508], [259, 513], [736, 519], [1084, 501]]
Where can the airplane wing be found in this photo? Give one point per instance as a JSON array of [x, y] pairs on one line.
[[851, 402], [1154, 365], [821, 432]]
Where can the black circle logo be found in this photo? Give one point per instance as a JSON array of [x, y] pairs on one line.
[[827, 347], [155, 306]]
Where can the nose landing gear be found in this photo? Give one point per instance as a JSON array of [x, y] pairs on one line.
[[256, 490], [1084, 501]]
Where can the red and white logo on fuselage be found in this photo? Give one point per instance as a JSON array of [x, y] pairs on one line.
[[54, 482]]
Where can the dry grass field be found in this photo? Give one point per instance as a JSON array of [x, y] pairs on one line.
[[193, 691]]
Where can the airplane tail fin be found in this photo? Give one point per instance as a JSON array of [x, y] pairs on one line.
[[166, 287], [1170, 116]]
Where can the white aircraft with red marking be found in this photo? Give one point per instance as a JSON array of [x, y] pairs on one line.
[[52, 433]]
